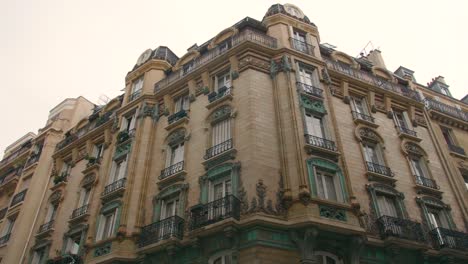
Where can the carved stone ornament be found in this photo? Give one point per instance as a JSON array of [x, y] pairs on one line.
[[176, 137], [148, 111], [326, 76], [259, 203], [412, 148], [273, 69], [221, 113], [285, 66], [307, 244], [55, 197], [369, 134]]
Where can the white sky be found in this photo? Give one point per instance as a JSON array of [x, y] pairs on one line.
[[54, 49]]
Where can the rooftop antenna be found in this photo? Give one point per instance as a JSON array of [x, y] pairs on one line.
[[365, 51], [103, 99]]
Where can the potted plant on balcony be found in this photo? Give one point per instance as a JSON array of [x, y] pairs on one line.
[[123, 136], [91, 160], [212, 96], [60, 178]]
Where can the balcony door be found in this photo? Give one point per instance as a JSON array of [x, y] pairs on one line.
[[373, 154], [221, 132], [314, 126], [300, 41], [168, 209], [219, 206], [387, 207], [175, 155], [306, 76]]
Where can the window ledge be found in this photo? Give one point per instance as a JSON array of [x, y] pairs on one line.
[[90, 168], [178, 176], [113, 194], [365, 122], [182, 120], [458, 155], [221, 157], [339, 205], [227, 97], [408, 136], [372, 176], [312, 149], [58, 186], [45, 233], [421, 189], [78, 219], [159, 245]]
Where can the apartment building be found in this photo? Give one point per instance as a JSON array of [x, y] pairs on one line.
[[261, 145]]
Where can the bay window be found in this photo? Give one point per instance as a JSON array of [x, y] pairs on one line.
[[326, 180], [107, 224]]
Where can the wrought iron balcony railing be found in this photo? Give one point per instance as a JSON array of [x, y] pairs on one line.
[[46, 227], [244, 36], [177, 116], [302, 46], [115, 186], [134, 95], [390, 226], [407, 131], [25, 147], [18, 198], [310, 89], [80, 211], [218, 149], [66, 259], [456, 149], [361, 116], [222, 92], [372, 79], [162, 230], [446, 238], [171, 170], [32, 159], [446, 109], [226, 207], [320, 142], [4, 239], [380, 169], [426, 182], [3, 212]]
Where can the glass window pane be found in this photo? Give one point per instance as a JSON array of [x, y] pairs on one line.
[[330, 187]]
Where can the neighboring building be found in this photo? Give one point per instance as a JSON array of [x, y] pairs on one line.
[[24, 177], [259, 146]]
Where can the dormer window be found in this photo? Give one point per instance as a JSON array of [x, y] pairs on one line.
[[137, 86], [188, 67], [225, 45]]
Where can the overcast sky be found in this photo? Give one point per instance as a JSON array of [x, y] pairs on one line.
[[55, 49]]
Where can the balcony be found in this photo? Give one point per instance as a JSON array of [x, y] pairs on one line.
[[302, 46], [426, 182], [134, 95], [46, 228], [66, 259], [218, 210], [369, 78], [3, 212], [406, 132], [223, 92], [25, 147], [218, 149], [320, 143], [379, 169], [79, 212], [172, 170], [310, 89], [456, 149], [4, 239], [114, 188], [446, 109], [161, 230], [363, 117], [446, 238], [390, 226], [176, 117], [32, 159], [18, 198], [243, 37]]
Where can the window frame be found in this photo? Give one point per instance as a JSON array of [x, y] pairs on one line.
[[428, 203], [384, 189], [227, 80], [138, 81], [223, 255], [318, 164], [112, 229]]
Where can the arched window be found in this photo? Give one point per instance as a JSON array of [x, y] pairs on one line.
[[387, 201], [417, 159], [327, 258], [373, 153], [174, 154], [224, 257]]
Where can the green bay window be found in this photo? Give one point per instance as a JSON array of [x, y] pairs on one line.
[[326, 180]]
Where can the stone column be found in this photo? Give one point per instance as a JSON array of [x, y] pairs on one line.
[[306, 245]]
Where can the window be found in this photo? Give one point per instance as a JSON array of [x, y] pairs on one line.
[[225, 45], [448, 136], [84, 197], [373, 153], [359, 105], [137, 85], [221, 132], [39, 256], [118, 171], [98, 151], [181, 104], [327, 186], [401, 119], [188, 67], [308, 76], [387, 205], [437, 218], [73, 244], [220, 188], [8, 228], [107, 224], [327, 258], [169, 207], [326, 180], [223, 80], [221, 258], [175, 154], [314, 125], [66, 168], [128, 123], [299, 42], [51, 212]]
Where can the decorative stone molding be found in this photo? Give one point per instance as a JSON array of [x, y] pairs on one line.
[[307, 244], [103, 249], [332, 213], [260, 202], [315, 106]]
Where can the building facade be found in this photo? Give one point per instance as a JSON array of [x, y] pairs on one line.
[[259, 146]]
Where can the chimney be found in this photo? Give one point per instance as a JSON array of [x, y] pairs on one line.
[[375, 56]]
